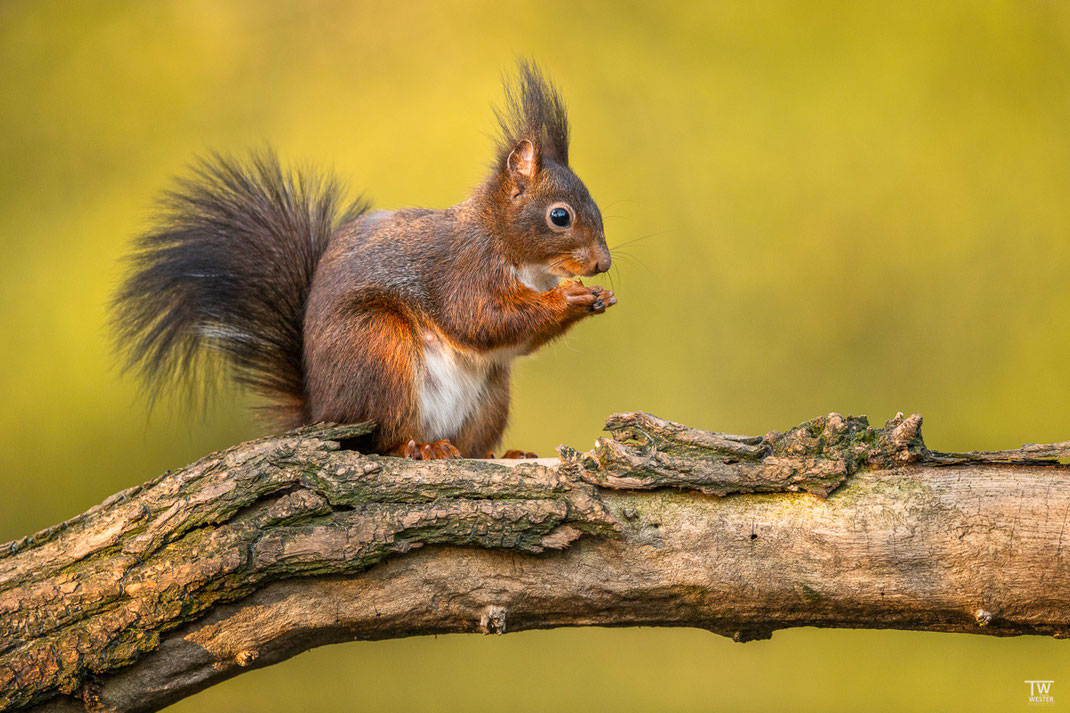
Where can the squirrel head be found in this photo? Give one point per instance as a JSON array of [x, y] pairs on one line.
[[541, 211]]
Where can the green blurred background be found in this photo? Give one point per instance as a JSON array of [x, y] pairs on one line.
[[846, 206]]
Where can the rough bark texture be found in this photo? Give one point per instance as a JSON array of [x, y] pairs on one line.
[[256, 553]]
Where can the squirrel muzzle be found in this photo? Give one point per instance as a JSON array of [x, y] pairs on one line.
[[584, 262], [597, 259]]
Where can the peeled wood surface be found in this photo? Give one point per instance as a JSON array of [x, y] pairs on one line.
[[261, 551]]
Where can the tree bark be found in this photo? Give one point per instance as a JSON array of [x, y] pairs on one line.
[[272, 547]]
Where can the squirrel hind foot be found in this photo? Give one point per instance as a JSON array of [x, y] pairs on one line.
[[427, 451], [514, 454]]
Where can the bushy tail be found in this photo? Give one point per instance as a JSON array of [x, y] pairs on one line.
[[226, 272]]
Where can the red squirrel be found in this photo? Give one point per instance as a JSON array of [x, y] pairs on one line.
[[333, 312]]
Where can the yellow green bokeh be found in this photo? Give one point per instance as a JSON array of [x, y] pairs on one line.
[[861, 207]]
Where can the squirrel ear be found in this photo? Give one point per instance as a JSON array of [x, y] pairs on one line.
[[523, 160]]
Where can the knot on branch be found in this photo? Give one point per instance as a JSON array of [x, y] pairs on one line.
[[645, 452], [492, 621]]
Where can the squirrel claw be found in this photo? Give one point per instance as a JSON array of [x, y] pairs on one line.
[[603, 299], [512, 454], [587, 299], [428, 451]]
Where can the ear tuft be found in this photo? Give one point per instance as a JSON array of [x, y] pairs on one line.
[[532, 110], [522, 160]]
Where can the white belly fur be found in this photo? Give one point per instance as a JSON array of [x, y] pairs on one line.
[[453, 385], [454, 382], [537, 277]]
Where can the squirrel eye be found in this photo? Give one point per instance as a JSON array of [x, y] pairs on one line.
[[560, 217]]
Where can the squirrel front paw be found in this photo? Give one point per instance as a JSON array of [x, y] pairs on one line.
[[581, 298]]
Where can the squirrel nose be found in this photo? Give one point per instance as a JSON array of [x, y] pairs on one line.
[[604, 260]]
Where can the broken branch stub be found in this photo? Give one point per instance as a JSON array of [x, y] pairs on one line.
[[645, 452]]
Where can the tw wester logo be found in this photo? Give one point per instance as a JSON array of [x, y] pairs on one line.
[[1040, 693]]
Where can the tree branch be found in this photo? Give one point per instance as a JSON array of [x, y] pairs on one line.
[[259, 552]]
